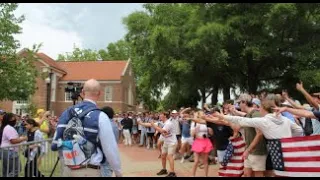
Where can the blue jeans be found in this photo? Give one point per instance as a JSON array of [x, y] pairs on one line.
[[143, 134], [105, 169]]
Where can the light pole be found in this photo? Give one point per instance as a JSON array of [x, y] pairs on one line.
[[49, 82]]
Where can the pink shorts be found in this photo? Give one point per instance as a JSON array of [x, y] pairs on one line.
[[202, 145]]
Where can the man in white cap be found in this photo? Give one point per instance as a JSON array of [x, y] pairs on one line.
[[175, 120]]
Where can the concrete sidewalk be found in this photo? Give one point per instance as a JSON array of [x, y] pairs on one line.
[[141, 162]]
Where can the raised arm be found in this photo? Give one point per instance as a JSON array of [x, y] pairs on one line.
[[242, 121], [294, 104], [308, 97], [297, 112]]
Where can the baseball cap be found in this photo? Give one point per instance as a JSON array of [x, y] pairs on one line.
[[174, 112], [256, 101]]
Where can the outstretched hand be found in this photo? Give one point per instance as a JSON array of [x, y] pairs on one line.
[[299, 86], [279, 110], [218, 115]]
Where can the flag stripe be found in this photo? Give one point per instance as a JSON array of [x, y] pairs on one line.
[[232, 168], [302, 169], [301, 159], [229, 175], [297, 149], [239, 146], [233, 160], [300, 144], [309, 164], [301, 138], [301, 154], [297, 174]]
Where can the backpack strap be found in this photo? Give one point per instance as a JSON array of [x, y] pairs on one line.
[[85, 112]]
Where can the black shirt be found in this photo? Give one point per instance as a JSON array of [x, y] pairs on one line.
[[221, 135], [127, 123]]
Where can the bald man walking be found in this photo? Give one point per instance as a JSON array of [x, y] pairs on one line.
[[96, 126]]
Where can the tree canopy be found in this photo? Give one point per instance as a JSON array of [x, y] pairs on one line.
[[17, 71], [200, 49]]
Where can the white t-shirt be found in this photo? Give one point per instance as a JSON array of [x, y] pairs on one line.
[[9, 133], [170, 137], [200, 129], [139, 126], [176, 124]]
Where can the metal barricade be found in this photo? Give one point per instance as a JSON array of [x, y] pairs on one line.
[[31, 159]]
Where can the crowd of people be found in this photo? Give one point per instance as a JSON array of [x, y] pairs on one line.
[[237, 132], [209, 135]]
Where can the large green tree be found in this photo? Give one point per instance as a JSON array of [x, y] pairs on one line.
[[215, 47], [17, 71]]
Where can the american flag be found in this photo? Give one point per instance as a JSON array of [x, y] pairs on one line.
[[235, 166], [295, 157]]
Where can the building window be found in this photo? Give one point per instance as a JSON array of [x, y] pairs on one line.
[[67, 96], [22, 102], [20, 111], [108, 94]]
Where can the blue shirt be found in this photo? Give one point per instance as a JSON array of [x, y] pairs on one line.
[[185, 129], [109, 144], [289, 116]]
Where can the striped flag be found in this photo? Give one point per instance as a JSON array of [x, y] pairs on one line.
[[295, 157], [235, 166]]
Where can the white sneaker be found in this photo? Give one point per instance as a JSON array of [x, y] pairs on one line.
[[148, 147], [182, 160]]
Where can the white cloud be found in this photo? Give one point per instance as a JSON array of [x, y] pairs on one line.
[[41, 26]]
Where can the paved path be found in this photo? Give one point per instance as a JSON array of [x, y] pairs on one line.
[[141, 162]]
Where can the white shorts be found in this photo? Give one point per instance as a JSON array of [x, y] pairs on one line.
[[220, 154], [188, 140], [256, 162], [161, 139]]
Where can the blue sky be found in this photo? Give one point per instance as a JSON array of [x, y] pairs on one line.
[[61, 25]]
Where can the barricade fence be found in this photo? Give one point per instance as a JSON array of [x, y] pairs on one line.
[[31, 159]]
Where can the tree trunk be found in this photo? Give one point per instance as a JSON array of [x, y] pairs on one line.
[[226, 93], [214, 95], [203, 96], [252, 78]]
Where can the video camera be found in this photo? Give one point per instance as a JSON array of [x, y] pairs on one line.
[[75, 89]]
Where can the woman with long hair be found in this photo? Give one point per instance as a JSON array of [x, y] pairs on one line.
[[34, 150], [8, 137], [201, 145]]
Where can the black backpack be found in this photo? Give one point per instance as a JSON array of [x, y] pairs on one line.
[[308, 127]]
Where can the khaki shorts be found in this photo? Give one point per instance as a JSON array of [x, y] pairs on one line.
[[256, 162], [85, 172], [169, 148]]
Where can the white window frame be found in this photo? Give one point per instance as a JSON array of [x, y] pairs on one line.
[[66, 95], [109, 90], [19, 106]]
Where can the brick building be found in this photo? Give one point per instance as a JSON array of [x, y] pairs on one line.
[[116, 79]]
